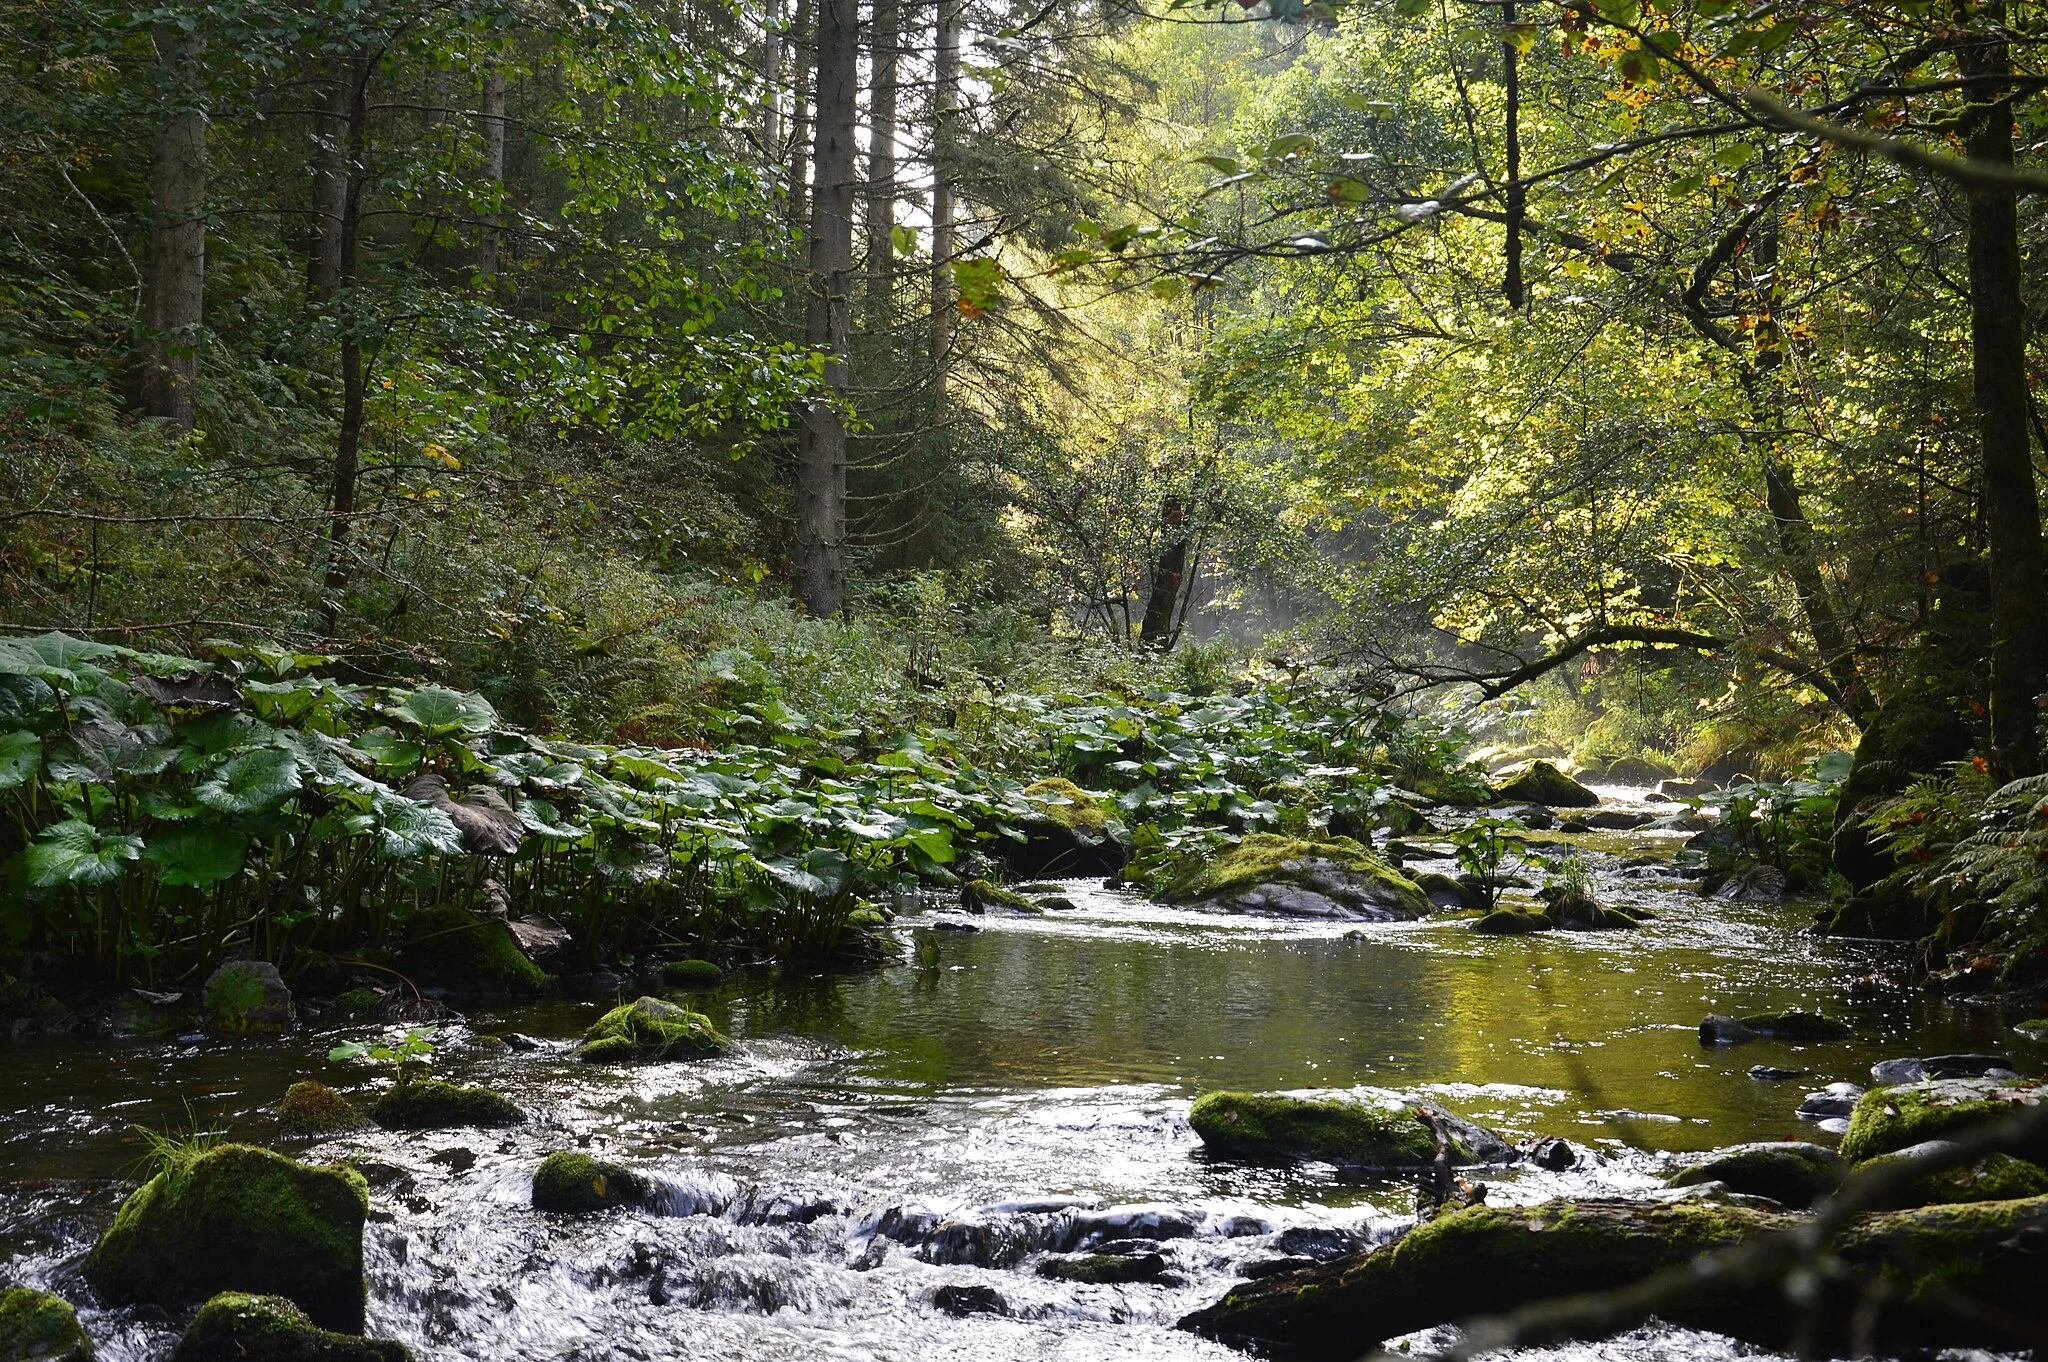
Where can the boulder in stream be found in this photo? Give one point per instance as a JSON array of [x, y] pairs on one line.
[[1540, 782], [649, 1028], [691, 974], [1886, 1120], [1331, 877], [1104, 1269], [978, 896], [450, 948], [961, 1301], [1994, 1177], [430, 1104], [312, 1109], [36, 1326], [238, 1218], [236, 1327], [1347, 1132], [1807, 1027], [576, 1184], [1512, 922], [246, 998], [1790, 1172], [1072, 833]]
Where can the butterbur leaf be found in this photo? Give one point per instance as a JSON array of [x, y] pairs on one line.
[[76, 852], [436, 710], [406, 828], [251, 781], [387, 751], [55, 659], [20, 754], [198, 855]]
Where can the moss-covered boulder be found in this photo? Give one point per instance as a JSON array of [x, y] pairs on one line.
[[308, 1109], [692, 974], [1068, 805], [1512, 922], [1104, 1269], [237, 1327], [450, 948], [36, 1326], [1352, 1133], [978, 896], [430, 1104], [1542, 783], [1446, 891], [246, 998], [649, 1028], [1912, 735], [238, 1218], [576, 1184], [1790, 1172], [1994, 1177], [1799, 1027], [1069, 832], [357, 1003], [1890, 1119], [1331, 877]]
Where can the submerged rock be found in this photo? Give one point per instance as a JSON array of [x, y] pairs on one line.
[[1894, 1071], [238, 1218], [246, 998], [962, 1301], [649, 1028], [1358, 1134], [1790, 1172], [1332, 877], [1793, 1026], [1771, 1073], [1890, 1119], [36, 1326], [1542, 783], [576, 1184], [309, 1108], [236, 1327], [430, 1104], [1104, 1269]]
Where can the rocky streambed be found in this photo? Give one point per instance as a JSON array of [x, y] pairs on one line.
[[991, 1153]]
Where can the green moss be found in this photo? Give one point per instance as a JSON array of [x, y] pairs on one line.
[[310, 1108], [2036, 1029], [1796, 1026], [1543, 783], [1979, 1251], [1068, 805], [1105, 1269], [450, 948], [1995, 1177], [237, 1327], [238, 1218], [358, 1002], [36, 1326], [649, 1028], [1512, 922], [692, 974], [430, 1104], [1889, 1119], [1273, 1125], [978, 895], [576, 1184], [1270, 858], [1791, 1172]]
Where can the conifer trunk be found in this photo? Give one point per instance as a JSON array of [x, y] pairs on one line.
[[177, 235]]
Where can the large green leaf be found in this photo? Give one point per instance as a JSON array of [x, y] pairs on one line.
[[387, 750], [197, 855], [57, 659], [20, 754], [251, 781], [76, 852], [407, 828], [437, 710]]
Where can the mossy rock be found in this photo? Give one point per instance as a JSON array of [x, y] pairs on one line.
[[2034, 1029], [692, 974], [430, 1104], [1994, 1177], [358, 1002], [239, 1218], [1299, 876], [1890, 1119], [1354, 1134], [978, 896], [1580, 913], [1542, 783], [576, 1184], [309, 1108], [1512, 922], [1105, 1269], [1797, 1026], [246, 998], [648, 1028], [448, 947], [1068, 805], [1446, 891], [1790, 1172], [237, 1327], [36, 1326]]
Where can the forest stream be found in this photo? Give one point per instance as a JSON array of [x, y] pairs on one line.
[[882, 1146]]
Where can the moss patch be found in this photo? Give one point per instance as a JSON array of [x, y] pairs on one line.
[[1796, 1026], [649, 1028], [1543, 783], [980, 895], [576, 1184], [1334, 865], [1512, 922], [1068, 805], [1890, 1119], [1273, 1125], [1995, 1177], [1105, 1269], [692, 974], [310, 1108], [448, 947], [236, 1327], [36, 1326], [238, 1218], [1791, 1172], [358, 1002], [430, 1104]]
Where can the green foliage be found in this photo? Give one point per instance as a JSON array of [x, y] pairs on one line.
[[409, 1056], [1965, 842], [1487, 848]]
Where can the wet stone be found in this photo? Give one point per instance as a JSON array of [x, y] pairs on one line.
[[1836, 1099], [962, 1301], [1771, 1073], [1553, 1154]]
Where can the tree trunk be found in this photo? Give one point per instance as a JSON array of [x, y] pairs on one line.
[[2012, 511], [330, 183], [177, 234], [881, 222], [821, 457], [771, 83], [494, 173], [945, 101], [341, 497], [1169, 579], [802, 45], [1512, 288]]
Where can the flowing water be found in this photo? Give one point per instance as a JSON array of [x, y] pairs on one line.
[[875, 1139]]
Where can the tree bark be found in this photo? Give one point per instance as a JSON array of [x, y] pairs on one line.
[[1169, 578], [330, 184], [882, 47], [771, 83], [821, 456], [945, 103], [341, 497], [2012, 511], [1512, 288], [493, 120], [177, 234], [802, 44]]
